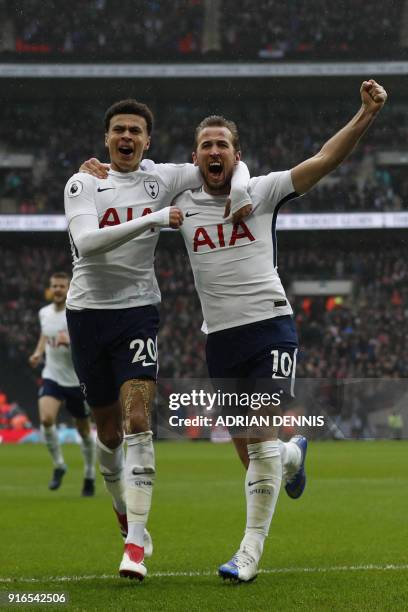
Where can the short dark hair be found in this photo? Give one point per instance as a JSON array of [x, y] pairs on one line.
[[130, 107], [218, 121], [63, 275]]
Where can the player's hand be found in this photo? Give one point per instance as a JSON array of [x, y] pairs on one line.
[[175, 217], [373, 96], [95, 168], [34, 360], [238, 215], [62, 339]]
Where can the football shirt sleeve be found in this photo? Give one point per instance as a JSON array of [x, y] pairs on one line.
[[78, 196], [272, 190]]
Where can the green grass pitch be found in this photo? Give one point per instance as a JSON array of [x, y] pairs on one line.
[[342, 546]]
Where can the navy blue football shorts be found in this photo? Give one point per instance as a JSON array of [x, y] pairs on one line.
[[110, 347], [259, 356], [72, 396]]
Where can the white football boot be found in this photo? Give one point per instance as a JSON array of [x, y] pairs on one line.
[[132, 565], [241, 568]]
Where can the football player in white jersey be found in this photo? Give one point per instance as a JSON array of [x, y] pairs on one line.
[[247, 316], [111, 307], [60, 384]]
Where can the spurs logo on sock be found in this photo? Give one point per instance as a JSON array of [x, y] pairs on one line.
[[261, 492], [140, 483]]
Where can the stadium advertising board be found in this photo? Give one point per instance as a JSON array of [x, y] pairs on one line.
[[287, 222]]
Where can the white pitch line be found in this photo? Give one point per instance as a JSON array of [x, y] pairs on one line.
[[277, 570]]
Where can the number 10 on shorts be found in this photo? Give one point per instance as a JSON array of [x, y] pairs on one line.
[[282, 364]]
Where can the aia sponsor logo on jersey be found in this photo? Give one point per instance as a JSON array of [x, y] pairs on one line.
[[221, 236], [115, 216], [152, 188]]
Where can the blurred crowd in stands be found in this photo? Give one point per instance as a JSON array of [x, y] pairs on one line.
[[103, 29], [364, 334], [196, 29], [307, 29], [59, 135]]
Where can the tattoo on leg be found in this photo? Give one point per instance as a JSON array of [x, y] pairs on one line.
[[145, 389]]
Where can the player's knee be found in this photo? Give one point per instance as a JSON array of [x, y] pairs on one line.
[[112, 442], [47, 421], [111, 438], [136, 422], [137, 399]]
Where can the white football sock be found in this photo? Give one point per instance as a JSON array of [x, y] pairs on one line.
[[111, 465], [52, 443], [135, 534], [262, 485], [291, 457], [140, 474], [88, 452]]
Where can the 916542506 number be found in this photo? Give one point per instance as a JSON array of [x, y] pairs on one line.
[[14, 597]]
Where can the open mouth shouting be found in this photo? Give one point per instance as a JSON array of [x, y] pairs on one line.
[[215, 170], [126, 151]]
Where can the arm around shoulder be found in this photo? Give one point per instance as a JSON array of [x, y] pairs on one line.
[[239, 204], [179, 177]]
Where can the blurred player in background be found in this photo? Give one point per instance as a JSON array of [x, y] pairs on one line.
[[61, 385], [111, 307]]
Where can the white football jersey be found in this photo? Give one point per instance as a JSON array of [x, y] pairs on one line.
[[234, 267], [123, 277], [58, 360]]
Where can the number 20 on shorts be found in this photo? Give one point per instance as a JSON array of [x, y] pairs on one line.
[[141, 347]]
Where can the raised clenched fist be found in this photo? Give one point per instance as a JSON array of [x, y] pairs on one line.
[[373, 95]]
